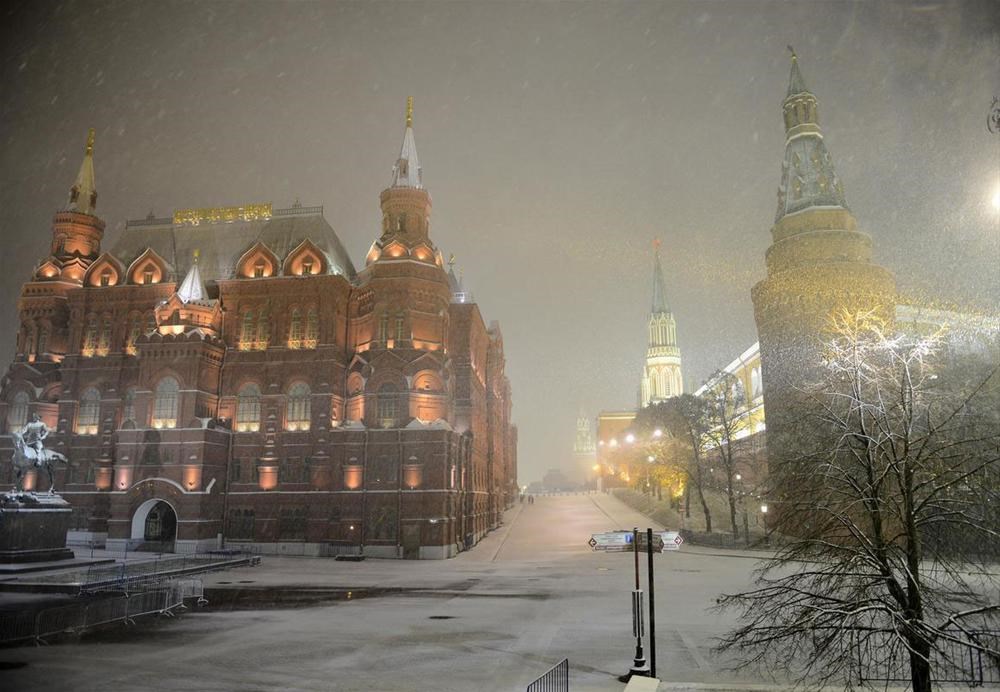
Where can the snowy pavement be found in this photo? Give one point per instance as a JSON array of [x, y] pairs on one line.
[[494, 618]]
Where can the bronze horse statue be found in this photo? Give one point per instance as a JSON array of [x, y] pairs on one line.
[[26, 458]]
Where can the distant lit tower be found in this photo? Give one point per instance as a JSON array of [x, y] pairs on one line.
[[818, 262], [584, 446], [661, 377]]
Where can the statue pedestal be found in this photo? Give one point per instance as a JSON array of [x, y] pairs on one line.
[[33, 527]]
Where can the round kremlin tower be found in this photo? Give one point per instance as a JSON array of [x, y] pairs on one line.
[[818, 262]]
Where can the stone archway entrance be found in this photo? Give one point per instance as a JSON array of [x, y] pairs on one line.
[[154, 526]]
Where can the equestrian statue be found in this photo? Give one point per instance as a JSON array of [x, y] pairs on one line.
[[29, 452]]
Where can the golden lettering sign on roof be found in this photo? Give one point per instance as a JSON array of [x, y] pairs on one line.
[[248, 212]]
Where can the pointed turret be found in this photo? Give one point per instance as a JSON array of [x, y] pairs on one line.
[[192, 288], [406, 205], [83, 194], [808, 178], [406, 172], [659, 288], [662, 377]]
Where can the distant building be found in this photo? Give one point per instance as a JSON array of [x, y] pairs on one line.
[[226, 376], [661, 375]]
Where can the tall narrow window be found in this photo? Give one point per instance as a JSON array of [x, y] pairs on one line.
[[43, 341], [295, 329], [248, 334], [106, 277], [248, 409], [307, 265], [258, 269], [165, 403], [298, 411], [383, 328], [263, 330], [134, 332], [387, 406], [90, 336], [128, 405], [399, 328], [90, 412], [104, 340], [17, 415], [147, 275], [150, 323], [312, 329]]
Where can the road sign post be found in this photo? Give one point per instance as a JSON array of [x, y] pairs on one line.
[[652, 604], [639, 666]]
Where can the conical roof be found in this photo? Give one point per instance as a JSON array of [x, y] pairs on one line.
[[796, 84], [83, 194], [192, 288], [659, 287], [406, 172]]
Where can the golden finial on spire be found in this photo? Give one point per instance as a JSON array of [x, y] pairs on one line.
[[197, 254], [409, 111], [792, 51], [90, 141]]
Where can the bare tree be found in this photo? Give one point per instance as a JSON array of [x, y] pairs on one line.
[[895, 460], [725, 402]]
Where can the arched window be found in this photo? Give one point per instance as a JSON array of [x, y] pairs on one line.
[[90, 412], [248, 408], [387, 410], [295, 329], [165, 403], [399, 327], [128, 405], [17, 415], [383, 327], [312, 329], [43, 340], [90, 336], [298, 411], [247, 333]]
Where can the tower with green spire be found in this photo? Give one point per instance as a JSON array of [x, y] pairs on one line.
[[818, 262], [661, 376]]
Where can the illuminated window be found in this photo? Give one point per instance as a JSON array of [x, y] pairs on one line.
[[106, 277], [295, 329], [17, 415], [104, 340], [90, 337], [263, 330], [147, 275], [387, 406], [248, 409], [297, 414], [258, 269], [165, 403], [312, 329], [247, 332], [134, 332], [307, 265], [90, 412]]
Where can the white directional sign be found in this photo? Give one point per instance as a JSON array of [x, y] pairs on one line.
[[671, 540], [612, 541]]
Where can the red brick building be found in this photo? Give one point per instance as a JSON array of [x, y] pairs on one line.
[[226, 376]]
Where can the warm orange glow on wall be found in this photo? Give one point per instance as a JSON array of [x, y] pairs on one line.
[[413, 475], [102, 478], [29, 480], [148, 273], [192, 477], [49, 271], [267, 477], [353, 476], [123, 478]]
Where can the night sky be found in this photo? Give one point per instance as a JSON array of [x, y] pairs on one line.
[[557, 140]]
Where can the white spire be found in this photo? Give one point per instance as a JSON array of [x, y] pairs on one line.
[[192, 288], [406, 172], [83, 194]]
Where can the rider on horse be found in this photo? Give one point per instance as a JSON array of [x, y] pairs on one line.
[[34, 431]]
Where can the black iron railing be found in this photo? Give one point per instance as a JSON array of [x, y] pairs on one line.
[[556, 680], [950, 661]]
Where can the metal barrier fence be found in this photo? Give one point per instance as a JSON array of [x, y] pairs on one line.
[[555, 680], [77, 618], [144, 574], [950, 661]]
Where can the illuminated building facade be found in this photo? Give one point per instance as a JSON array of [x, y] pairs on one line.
[[661, 375], [226, 375]]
